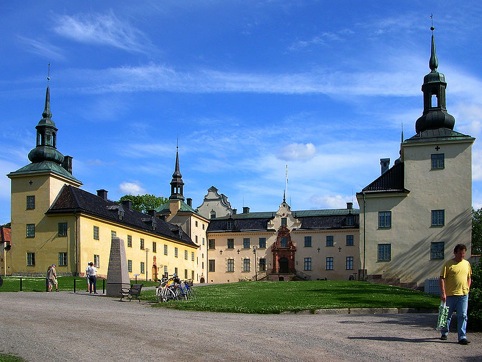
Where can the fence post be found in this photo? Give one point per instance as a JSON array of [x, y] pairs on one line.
[[103, 286], [75, 285], [21, 284]]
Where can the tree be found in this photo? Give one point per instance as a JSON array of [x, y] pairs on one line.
[[476, 232], [144, 203]]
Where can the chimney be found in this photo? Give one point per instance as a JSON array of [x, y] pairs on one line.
[[102, 194], [151, 212], [189, 201], [245, 210], [384, 164], [349, 205], [67, 164], [235, 211], [127, 204]]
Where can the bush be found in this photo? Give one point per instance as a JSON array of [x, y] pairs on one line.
[[475, 299]]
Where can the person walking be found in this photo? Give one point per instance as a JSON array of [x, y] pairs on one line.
[[455, 280], [92, 273], [52, 278], [87, 276]]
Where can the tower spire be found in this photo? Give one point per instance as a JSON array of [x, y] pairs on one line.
[[177, 184], [435, 114]]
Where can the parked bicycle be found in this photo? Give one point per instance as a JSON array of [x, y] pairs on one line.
[[174, 289]]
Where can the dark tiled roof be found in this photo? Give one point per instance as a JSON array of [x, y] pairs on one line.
[[75, 200], [310, 219], [390, 181]]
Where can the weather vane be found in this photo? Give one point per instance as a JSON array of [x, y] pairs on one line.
[[432, 27], [48, 73]]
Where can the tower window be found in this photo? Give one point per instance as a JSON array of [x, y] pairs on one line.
[[30, 230], [384, 219], [31, 202], [434, 101], [438, 161], [438, 217]]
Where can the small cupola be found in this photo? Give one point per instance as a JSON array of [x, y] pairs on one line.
[[435, 114]]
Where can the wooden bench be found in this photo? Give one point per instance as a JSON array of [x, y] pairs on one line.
[[133, 292]]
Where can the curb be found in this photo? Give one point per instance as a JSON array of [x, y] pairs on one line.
[[361, 311]]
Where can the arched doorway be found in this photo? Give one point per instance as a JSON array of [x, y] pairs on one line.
[[284, 265]]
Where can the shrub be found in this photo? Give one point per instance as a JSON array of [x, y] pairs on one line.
[[475, 299]]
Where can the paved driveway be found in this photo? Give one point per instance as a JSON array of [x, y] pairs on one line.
[[80, 327]]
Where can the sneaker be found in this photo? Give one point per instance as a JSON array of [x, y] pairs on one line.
[[443, 337], [464, 341]]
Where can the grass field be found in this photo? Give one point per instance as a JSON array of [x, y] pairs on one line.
[[277, 297]]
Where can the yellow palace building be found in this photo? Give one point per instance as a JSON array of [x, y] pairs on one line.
[[53, 221]]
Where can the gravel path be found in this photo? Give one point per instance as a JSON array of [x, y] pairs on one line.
[[80, 327]]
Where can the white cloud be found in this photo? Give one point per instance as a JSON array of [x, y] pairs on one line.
[[42, 48], [297, 151], [102, 30], [132, 188]]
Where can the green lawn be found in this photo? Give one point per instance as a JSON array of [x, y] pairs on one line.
[[277, 297]]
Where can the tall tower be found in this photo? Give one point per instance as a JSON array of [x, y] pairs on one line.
[[177, 184], [413, 215], [34, 187]]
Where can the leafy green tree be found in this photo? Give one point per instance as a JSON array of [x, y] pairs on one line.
[[477, 231], [146, 202], [475, 299]]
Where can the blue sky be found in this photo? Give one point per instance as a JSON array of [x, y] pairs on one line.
[[246, 88]]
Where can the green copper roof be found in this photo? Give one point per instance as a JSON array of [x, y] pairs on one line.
[[42, 167], [184, 208]]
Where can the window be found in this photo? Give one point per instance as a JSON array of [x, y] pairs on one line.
[[154, 247], [284, 242], [211, 244], [143, 268], [30, 259], [262, 264], [246, 243], [195, 223], [229, 225], [62, 259], [384, 252], [30, 230], [438, 217], [230, 266], [185, 273], [192, 255], [212, 265], [307, 241], [31, 202], [165, 271], [129, 266], [350, 220], [96, 233], [438, 161], [230, 243], [349, 240], [196, 241], [246, 265], [204, 241], [307, 264], [384, 219], [96, 261], [129, 241], [437, 250], [62, 229], [349, 263], [284, 221], [212, 214], [176, 253], [186, 255], [262, 243], [142, 244], [176, 271], [329, 263], [329, 240], [165, 249]]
